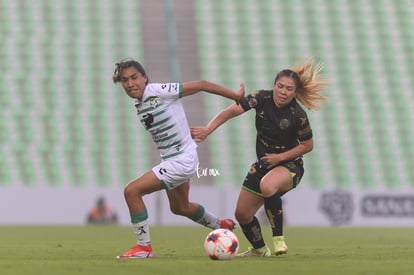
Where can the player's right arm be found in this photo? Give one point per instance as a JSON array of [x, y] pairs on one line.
[[201, 133]]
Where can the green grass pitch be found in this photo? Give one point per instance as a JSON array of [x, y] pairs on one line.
[[91, 250]]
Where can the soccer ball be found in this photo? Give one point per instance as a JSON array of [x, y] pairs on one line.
[[221, 244]]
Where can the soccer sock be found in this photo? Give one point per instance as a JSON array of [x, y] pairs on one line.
[[205, 218], [141, 228], [274, 212], [253, 233]]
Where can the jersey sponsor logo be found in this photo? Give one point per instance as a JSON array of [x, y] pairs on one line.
[[267, 145], [171, 87], [157, 138], [148, 119], [175, 86]]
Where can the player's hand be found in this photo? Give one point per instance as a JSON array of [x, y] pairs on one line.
[[270, 160], [199, 133], [240, 94]]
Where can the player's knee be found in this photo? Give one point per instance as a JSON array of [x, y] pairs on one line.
[[178, 210], [241, 217], [269, 192], [268, 189], [130, 191], [127, 191]]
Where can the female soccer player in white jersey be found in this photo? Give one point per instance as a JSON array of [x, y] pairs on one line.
[[163, 116]]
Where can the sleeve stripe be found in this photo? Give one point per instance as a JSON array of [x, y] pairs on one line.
[[180, 90]]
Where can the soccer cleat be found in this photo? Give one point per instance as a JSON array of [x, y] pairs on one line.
[[227, 224], [138, 251], [252, 252], [280, 245]]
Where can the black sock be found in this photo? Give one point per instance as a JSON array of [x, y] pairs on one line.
[[253, 233], [274, 212]]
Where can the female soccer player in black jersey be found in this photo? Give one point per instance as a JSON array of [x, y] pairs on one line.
[[284, 135]]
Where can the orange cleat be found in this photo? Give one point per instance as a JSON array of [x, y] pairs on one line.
[[228, 224], [138, 251]]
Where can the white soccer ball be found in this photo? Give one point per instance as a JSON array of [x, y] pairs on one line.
[[221, 244]]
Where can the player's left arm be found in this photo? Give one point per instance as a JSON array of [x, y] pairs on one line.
[[305, 145], [302, 148], [190, 88]]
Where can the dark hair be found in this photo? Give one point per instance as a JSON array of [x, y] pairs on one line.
[[126, 63], [291, 74]]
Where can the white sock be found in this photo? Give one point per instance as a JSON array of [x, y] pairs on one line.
[[141, 230], [209, 220]]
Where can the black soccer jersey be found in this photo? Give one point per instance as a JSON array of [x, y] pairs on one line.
[[278, 129]]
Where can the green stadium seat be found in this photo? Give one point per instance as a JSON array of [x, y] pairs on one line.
[[79, 131], [359, 45], [74, 121]]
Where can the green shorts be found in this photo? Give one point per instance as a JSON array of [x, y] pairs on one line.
[[258, 170]]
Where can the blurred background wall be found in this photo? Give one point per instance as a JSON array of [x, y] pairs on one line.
[[69, 135]]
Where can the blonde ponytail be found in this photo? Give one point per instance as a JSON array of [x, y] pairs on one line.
[[311, 85]]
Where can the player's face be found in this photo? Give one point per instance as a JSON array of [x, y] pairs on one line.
[[133, 82], [284, 91]]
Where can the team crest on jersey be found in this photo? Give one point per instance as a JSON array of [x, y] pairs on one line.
[[252, 102], [153, 101], [284, 124]]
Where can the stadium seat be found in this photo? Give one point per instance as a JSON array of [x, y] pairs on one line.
[[353, 138], [64, 122]]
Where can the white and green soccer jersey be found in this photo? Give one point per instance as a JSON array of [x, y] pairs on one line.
[[163, 116]]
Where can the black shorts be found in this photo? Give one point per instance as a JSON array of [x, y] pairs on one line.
[[258, 170]]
